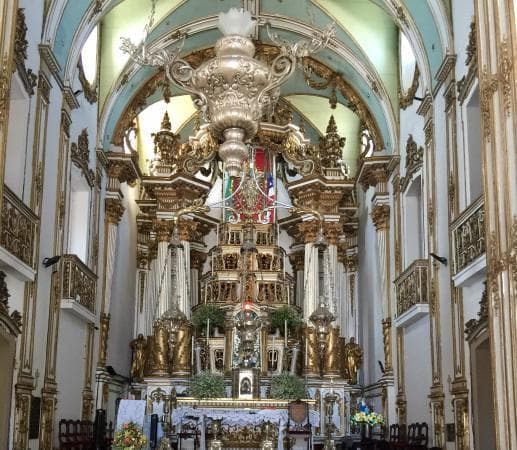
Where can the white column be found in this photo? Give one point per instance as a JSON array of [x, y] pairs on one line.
[[111, 250], [311, 280], [333, 279], [183, 282], [164, 277]]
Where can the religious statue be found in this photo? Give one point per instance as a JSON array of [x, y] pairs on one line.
[[354, 358], [139, 346]]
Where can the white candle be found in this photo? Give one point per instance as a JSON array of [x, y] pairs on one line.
[[285, 333], [212, 263], [217, 234], [306, 354], [273, 352], [192, 355], [208, 343]]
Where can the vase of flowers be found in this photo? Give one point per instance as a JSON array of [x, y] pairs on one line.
[[365, 420], [129, 437]]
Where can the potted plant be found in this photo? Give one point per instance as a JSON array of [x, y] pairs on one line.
[[287, 387], [129, 437], [207, 385], [203, 314], [286, 315]]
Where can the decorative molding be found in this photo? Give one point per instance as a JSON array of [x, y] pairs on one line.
[[47, 55], [505, 75], [69, 97], [488, 87], [406, 99], [474, 326], [28, 77], [411, 286], [80, 154], [89, 90], [472, 47], [414, 161], [468, 234], [79, 282], [19, 228], [380, 215], [426, 105], [445, 70], [114, 210], [12, 322], [5, 90]]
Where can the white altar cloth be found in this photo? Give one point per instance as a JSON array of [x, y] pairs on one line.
[[238, 417]]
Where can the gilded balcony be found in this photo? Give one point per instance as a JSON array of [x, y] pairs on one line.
[[79, 283], [412, 286], [19, 228], [468, 236]]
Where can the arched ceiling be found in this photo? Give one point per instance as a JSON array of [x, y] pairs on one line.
[[364, 51]]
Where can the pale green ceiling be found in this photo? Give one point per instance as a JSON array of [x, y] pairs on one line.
[[366, 30], [319, 112]]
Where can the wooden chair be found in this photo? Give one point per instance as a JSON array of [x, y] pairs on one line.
[[420, 438], [298, 424]]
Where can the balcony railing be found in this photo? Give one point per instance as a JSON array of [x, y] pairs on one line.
[[412, 286], [468, 234], [19, 228], [79, 282]]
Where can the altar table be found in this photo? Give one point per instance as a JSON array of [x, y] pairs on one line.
[[237, 417]]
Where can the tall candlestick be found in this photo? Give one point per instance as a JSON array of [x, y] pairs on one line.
[[208, 343], [212, 263], [217, 234], [285, 333]]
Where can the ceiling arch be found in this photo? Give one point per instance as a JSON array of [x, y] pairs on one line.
[[425, 22], [352, 53]]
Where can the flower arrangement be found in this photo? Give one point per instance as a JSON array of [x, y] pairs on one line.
[[287, 387], [285, 314], [207, 385], [204, 312], [364, 415], [129, 436], [371, 418]]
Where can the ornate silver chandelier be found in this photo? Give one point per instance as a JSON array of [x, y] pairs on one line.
[[234, 91]]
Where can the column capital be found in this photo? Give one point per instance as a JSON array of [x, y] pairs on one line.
[[297, 260], [197, 259], [163, 229], [309, 230], [187, 229], [332, 231], [114, 210], [374, 172], [122, 167], [380, 215]]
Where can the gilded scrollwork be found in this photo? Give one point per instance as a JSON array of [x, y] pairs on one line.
[[80, 155], [406, 99], [89, 89], [79, 282], [21, 44], [469, 236], [412, 286], [19, 227], [414, 160]]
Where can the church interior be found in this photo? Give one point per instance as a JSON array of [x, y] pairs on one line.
[[260, 224]]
